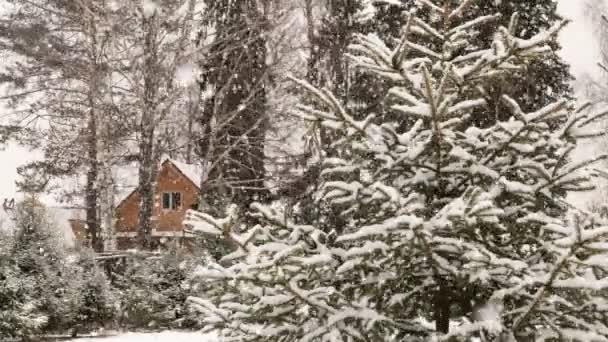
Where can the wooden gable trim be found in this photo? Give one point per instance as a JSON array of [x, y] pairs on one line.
[[167, 161]]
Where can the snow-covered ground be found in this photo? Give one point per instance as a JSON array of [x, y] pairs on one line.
[[167, 336]]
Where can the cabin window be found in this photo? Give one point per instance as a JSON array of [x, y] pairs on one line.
[[172, 200]]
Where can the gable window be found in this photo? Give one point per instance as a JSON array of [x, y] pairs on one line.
[[172, 200]]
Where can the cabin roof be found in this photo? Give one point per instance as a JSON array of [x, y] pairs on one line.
[[58, 216]]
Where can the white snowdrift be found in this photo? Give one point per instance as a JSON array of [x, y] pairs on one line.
[[166, 336]]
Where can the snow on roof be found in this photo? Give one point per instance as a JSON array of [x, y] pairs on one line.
[[125, 181], [193, 172], [6, 221], [122, 193], [61, 217]]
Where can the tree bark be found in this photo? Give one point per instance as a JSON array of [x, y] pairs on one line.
[[147, 155], [441, 308], [91, 190], [92, 186]]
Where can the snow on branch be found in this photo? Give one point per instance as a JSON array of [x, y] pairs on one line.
[[458, 11], [328, 99], [204, 223], [432, 6]]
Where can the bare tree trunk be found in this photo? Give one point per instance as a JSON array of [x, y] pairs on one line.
[[340, 43], [92, 186], [312, 72], [146, 187], [147, 155], [193, 110], [91, 190], [106, 205], [190, 138], [108, 212]]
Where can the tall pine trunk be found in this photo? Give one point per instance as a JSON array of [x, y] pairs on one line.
[[92, 141], [146, 190], [91, 189], [147, 155]]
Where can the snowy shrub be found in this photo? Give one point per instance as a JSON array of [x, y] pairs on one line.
[[98, 304], [20, 314], [153, 292], [85, 300], [448, 231]]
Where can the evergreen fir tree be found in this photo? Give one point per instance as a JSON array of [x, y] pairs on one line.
[[329, 39], [39, 259], [327, 65], [235, 118], [36, 244], [454, 228]]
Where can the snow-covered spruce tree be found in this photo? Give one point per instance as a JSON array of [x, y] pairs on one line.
[[446, 222], [36, 243], [32, 272], [42, 288]]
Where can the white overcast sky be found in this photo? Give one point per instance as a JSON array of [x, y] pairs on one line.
[[579, 47], [578, 50]]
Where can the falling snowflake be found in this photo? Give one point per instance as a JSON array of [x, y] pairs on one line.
[[186, 74], [149, 7]]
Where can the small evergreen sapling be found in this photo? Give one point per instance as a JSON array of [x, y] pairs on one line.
[[451, 231], [20, 314]]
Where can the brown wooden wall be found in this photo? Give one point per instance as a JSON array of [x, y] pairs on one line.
[[169, 179], [80, 232]]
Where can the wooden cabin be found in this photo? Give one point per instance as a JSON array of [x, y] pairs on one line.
[[176, 192]]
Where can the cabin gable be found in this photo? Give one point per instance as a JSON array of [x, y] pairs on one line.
[[174, 194]]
